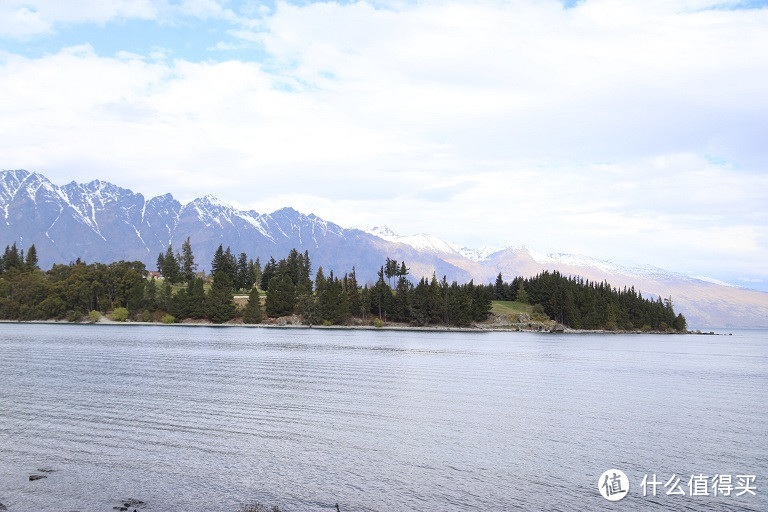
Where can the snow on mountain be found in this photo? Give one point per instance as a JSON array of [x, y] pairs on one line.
[[479, 254], [419, 241], [99, 221]]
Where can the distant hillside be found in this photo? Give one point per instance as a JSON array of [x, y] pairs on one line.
[[99, 221]]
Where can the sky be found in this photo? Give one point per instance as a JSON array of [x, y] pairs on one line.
[[635, 132]]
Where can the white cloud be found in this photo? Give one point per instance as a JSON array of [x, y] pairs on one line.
[[616, 129], [25, 19]]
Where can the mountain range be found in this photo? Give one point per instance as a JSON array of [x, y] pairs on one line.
[[99, 221]]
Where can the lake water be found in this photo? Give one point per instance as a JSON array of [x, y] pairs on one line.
[[209, 419]]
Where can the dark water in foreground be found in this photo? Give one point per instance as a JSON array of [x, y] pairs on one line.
[[207, 419]]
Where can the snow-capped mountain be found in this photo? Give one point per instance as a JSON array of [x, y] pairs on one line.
[[99, 221], [420, 241]]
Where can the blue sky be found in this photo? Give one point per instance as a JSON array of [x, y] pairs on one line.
[[623, 130]]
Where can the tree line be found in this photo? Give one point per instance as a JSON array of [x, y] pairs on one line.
[[583, 304], [79, 289]]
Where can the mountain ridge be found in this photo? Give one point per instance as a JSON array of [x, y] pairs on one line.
[[100, 221]]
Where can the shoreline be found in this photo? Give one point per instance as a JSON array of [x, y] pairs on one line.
[[542, 329]]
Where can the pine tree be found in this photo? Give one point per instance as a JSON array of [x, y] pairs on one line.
[[218, 264], [171, 267], [269, 271], [31, 261], [230, 265], [320, 281], [280, 295], [353, 294], [402, 299], [188, 265], [150, 295], [498, 289], [244, 281], [220, 307], [522, 295], [252, 312], [254, 267], [11, 258]]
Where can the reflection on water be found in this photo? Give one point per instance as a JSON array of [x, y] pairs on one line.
[[212, 418]]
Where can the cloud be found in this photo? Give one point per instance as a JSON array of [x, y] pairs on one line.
[[23, 19], [616, 129], [26, 19]]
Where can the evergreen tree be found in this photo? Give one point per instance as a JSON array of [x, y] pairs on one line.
[[188, 265], [220, 307], [353, 294], [280, 295], [230, 265], [11, 258], [522, 295], [252, 312], [498, 289], [270, 269], [166, 296], [244, 281], [31, 262], [150, 295], [403, 271], [218, 264], [402, 304], [332, 301], [420, 303], [390, 270], [254, 268], [320, 281], [381, 297], [171, 267]]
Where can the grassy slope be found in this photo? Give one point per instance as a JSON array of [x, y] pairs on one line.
[[508, 307]]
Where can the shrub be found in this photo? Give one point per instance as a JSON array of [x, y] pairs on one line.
[[146, 316], [74, 316], [120, 314], [538, 314], [377, 322], [94, 316], [168, 319]]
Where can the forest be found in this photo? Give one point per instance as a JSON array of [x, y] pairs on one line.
[[177, 291]]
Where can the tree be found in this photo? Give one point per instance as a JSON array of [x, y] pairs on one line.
[[353, 294], [171, 268], [244, 276], [252, 312], [254, 267], [224, 262], [498, 289], [390, 270], [402, 299], [332, 301], [11, 258], [188, 265], [381, 297], [269, 271], [280, 295], [31, 263], [150, 295], [680, 323], [522, 295], [220, 307]]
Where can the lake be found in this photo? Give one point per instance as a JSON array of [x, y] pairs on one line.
[[210, 419]]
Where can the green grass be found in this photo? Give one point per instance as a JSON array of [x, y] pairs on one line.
[[508, 307]]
